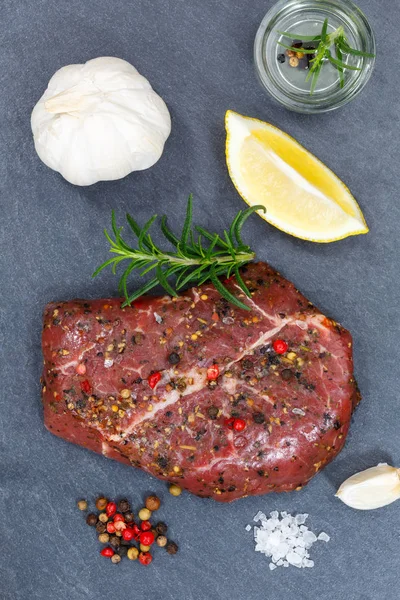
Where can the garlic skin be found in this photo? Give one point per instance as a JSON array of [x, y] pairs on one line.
[[372, 488], [99, 121]]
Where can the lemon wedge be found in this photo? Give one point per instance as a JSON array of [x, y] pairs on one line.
[[301, 195]]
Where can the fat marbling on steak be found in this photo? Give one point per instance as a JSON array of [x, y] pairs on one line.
[[98, 358]]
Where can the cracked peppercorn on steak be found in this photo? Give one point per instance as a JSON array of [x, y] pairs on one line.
[[131, 383]]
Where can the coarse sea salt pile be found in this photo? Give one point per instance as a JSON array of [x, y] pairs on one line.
[[285, 539]]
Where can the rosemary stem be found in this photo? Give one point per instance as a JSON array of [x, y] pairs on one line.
[[239, 257]]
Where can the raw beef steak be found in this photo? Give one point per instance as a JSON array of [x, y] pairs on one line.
[[134, 384]]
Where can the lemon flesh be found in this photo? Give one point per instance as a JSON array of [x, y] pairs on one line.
[[301, 195]]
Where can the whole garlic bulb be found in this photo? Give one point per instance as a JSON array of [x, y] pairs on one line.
[[99, 121]]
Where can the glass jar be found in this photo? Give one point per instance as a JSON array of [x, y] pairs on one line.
[[288, 85]]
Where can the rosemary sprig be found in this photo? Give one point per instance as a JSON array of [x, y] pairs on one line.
[[323, 53], [194, 261]]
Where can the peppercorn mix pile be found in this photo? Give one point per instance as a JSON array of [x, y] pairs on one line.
[[124, 536]]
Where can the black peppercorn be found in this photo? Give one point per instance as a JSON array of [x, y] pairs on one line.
[[258, 418], [122, 551], [125, 542], [91, 520], [124, 506], [114, 541], [212, 412], [101, 527], [174, 358], [129, 517], [162, 462], [286, 374], [161, 528], [171, 548], [265, 349]]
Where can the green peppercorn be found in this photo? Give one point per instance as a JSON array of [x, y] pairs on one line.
[[161, 528], [82, 504], [103, 517], [115, 559], [175, 490], [161, 541], [133, 553], [91, 520], [171, 547], [144, 514], [104, 538]]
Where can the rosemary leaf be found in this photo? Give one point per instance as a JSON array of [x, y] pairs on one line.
[[225, 292], [340, 64], [340, 69], [323, 31], [348, 50], [171, 237], [187, 223], [164, 282]]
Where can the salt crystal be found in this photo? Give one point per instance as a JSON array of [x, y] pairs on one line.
[[158, 318], [284, 514], [282, 549], [300, 519], [280, 562], [309, 537], [285, 563], [308, 563], [248, 528], [298, 411], [303, 528], [274, 514], [274, 538], [272, 566], [260, 516], [293, 558], [228, 320], [324, 537], [108, 363], [301, 551]]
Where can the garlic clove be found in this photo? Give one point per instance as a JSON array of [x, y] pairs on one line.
[[372, 488]]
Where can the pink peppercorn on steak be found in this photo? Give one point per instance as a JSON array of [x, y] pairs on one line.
[[225, 402]]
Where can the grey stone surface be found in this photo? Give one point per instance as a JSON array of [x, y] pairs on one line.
[[198, 56]]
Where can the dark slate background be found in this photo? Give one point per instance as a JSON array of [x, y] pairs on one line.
[[198, 56]]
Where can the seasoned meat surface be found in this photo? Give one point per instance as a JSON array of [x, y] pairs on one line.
[[131, 383]]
